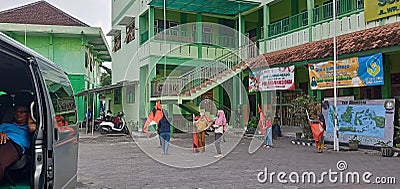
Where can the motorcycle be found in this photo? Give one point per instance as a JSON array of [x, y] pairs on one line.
[[97, 121], [114, 124]]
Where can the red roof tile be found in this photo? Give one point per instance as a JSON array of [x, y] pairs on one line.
[[40, 12], [377, 37]]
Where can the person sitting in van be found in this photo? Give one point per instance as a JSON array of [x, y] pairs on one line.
[[15, 138]]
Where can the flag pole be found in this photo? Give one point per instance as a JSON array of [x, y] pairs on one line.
[[335, 130]]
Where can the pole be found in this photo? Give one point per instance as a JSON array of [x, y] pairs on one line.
[[165, 41], [335, 130]]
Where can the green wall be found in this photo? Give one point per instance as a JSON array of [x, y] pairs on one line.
[[280, 10], [69, 54]]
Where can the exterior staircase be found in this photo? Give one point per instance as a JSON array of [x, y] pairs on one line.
[[203, 78]]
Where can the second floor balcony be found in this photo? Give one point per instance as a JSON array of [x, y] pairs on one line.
[[320, 14]]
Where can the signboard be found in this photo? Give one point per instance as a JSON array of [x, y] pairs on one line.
[[281, 78], [376, 9], [370, 120], [351, 72]]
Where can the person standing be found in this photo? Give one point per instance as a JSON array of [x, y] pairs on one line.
[[89, 117], [202, 124], [267, 126], [164, 128], [219, 124]]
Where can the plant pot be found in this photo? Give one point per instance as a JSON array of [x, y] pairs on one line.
[[353, 145], [387, 151], [298, 135], [250, 130]]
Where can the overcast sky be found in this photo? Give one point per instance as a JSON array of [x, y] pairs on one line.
[[95, 13]]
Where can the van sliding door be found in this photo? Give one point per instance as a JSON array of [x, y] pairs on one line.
[[62, 127]]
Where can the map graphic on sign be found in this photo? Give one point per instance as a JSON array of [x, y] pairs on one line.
[[360, 120]]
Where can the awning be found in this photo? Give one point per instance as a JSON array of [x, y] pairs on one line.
[[114, 32], [126, 20], [219, 7], [106, 88]]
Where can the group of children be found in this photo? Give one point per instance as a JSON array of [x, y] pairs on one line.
[[202, 124]]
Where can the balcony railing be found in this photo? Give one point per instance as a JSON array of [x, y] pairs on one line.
[[287, 24], [320, 14], [175, 35]]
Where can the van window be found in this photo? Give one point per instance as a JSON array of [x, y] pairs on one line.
[[61, 95]]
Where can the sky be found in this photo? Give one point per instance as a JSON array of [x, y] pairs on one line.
[[95, 13]]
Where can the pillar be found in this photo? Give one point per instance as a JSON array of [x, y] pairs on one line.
[[199, 35], [310, 7], [151, 22], [266, 23]]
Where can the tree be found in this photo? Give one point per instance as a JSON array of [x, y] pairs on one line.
[[105, 78]]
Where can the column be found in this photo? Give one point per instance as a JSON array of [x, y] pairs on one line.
[[310, 7], [266, 23], [199, 35], [386, 88], [51, 48], [151, 22]]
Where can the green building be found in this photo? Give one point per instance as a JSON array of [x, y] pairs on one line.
[[209, 47], [75, 46]]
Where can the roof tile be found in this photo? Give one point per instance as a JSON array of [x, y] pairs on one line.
[[40, 12], [377, 37]]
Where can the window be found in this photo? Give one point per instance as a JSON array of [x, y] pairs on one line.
[[130, 94], [130, 32], [117, 43], [396, 85], [61, 95], [117, 96], [371, 92]]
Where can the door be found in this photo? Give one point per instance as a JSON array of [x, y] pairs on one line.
[[62, 145]]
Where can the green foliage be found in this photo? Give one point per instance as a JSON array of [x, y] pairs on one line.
[[253, 123], [105, 79], [299, 107], [397, 135]]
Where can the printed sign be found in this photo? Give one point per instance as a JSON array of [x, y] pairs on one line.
[[376, 9], [370, 120], [351, 72], [281, 78]]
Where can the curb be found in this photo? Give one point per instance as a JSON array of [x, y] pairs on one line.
[[302, 143]]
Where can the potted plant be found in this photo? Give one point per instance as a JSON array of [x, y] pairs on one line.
[[300, 106], [386, 150], [353, 143], [397, 136], [252, 125]]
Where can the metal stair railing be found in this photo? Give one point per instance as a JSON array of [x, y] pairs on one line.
[[176, 85]]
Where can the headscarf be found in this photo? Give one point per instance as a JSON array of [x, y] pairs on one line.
[[221, 120], [261, 121], [154, 116]]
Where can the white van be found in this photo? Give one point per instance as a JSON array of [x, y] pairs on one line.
[[52, 160]]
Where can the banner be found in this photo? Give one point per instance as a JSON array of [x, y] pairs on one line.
[[370, 120], [376, 9], [351, 72], [281, 78]]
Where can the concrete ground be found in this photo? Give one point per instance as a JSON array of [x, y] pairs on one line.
[[116, 161]]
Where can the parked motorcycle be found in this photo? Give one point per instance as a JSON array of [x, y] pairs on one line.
[[114, 124], [97, 121]]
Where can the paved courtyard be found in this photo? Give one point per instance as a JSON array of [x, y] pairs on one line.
[[118, 162]]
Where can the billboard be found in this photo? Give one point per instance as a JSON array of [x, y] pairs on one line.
[[370, 120], [281, 78], [351, 72], [376, 9]]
